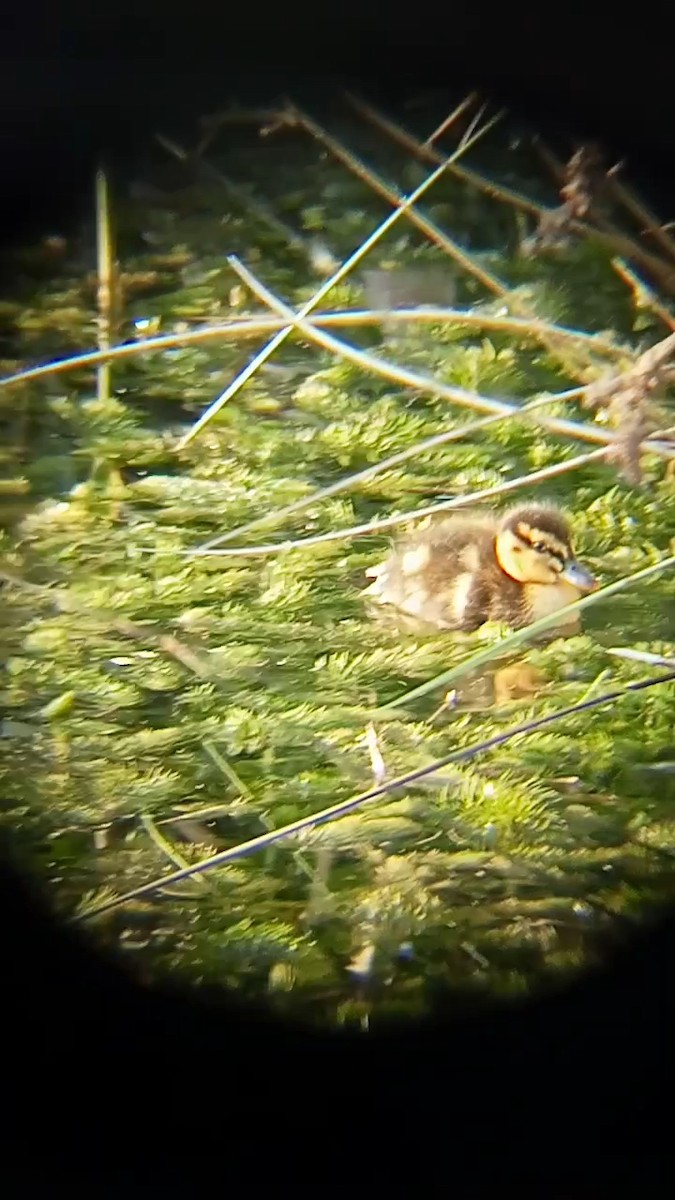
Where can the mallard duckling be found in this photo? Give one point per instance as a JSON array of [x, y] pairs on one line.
[[468, 569]]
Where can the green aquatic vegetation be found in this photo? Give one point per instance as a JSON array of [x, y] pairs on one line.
[[160, 707]]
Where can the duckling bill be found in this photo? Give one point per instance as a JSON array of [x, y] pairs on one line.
[[468, 569]]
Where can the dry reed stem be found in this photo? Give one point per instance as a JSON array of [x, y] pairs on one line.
[[262, 356], [614, 241], [252, 327], [648, 220], [604, 229], [376, 526], [569, 361], [643, 296], [409, 378], [454, 116], [106, 282], [624, 196], [429, 154], [641, 656], [490, 282], [347, 806], [233, 116], [369, 473]]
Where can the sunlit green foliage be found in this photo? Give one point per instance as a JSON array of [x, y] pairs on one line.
[[492, 876]]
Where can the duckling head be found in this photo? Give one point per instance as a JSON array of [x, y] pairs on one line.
[[534, 545]]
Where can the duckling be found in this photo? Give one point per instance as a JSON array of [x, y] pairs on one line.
[[472, 568]]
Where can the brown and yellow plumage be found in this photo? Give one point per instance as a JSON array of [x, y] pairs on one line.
[[471, 568]]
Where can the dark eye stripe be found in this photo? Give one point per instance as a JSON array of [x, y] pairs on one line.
[[542, 548], [560, 556]]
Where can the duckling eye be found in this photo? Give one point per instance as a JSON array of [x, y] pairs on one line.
[[540, 547]]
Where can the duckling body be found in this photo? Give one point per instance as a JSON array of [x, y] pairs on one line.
[[472, 568]]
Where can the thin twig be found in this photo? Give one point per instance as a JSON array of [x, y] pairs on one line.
[[450, 120], [376, 526], [368, 473], [340, 810], [311, 304], [212, 124]]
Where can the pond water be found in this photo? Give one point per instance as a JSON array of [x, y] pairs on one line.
[[161, 707]]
